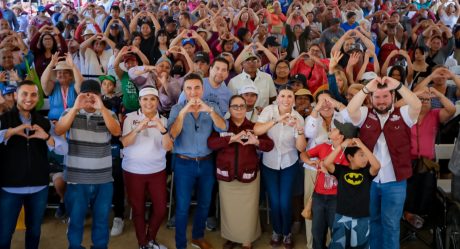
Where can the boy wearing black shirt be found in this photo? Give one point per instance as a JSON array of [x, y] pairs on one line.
[[351, 226]]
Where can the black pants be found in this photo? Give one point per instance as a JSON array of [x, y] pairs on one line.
[[118, 199], [421, 190], [323, 211]]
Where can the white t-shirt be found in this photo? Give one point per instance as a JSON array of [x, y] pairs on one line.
[[91, 65], [284, 154], [263, 82], [146, 155], [448, 20]]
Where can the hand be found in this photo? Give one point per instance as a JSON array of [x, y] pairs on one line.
[[335, 58], [203, 107], [358, 143], [39, 133], [237, 138], [69, 60], [14, 75], [98, 104], [346, 143], [391, 83], [20, 130], [284, 118], [373, 85], [80, 102], [252, 139], [54, 59], [313, 163], [434, 93], [354, 59], [142, 125]]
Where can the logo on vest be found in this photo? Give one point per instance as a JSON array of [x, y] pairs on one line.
[[373, 116], [395, 118]]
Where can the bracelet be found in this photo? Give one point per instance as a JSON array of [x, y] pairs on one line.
[[48, 138], [399, 87], [365, 90], [166, 131], [275, 122]]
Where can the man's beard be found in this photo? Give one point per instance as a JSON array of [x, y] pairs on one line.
[[384, 111]]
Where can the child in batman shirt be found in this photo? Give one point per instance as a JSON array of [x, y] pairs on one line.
[[351, 226]]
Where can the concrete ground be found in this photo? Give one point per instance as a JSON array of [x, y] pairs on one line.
[[54, 237]]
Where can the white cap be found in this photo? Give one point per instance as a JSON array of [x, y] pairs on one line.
[[248, 89], [148, 91], [369, 76]]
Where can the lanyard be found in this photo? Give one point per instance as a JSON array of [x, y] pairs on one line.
[[64, 94]]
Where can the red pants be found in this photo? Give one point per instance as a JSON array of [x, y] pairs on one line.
[[137, 186]]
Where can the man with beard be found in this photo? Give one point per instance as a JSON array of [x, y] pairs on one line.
[[213, 89], [24, 175], [385, 129]]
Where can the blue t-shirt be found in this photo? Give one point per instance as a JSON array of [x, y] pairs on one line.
[[219, 96], [57, 101], [345, 26]]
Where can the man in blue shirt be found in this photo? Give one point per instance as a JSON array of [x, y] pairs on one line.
[[190, 125], [9, 16], [350, 23], [214, 88]]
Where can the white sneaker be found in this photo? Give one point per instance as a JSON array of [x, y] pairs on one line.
[[154, 245], [117, 226]]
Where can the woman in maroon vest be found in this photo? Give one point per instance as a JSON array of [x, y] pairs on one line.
[[237, 167]]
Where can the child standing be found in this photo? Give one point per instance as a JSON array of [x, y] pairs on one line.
[[351, 226]]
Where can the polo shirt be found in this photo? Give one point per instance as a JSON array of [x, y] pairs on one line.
[[263, 82]]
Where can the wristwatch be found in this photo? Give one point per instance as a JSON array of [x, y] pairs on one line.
[[166, 131]]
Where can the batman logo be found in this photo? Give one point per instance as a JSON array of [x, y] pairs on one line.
[[353, 178]]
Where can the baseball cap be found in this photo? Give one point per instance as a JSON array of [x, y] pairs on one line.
[[8, 89], [90, 86], [107, 77], [188, 41], [148, 91], [162, 59], [348, 130], [355, 48], [299, 77], [41, 9], [201, 56], [249, 55], [248, 89], [368, 76]]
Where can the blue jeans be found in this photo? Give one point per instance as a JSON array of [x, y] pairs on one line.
[[188, 176], [77, 199], [34, 207], [386, 208], [349, 232], [279, 186]]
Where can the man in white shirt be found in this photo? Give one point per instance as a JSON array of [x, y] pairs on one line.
[[251, 75], [385, 129]]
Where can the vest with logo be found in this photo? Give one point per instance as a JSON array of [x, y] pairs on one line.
[[397, 136]]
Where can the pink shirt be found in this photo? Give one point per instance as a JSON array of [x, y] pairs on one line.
[[427, 130]]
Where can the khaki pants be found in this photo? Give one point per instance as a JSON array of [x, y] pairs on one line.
[[310, 178]]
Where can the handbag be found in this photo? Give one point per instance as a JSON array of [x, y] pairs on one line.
[[423, 164], [307, 210]]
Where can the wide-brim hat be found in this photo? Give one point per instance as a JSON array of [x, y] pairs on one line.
[[62, 65]]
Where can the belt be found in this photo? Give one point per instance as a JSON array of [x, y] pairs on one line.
[[195, 158]]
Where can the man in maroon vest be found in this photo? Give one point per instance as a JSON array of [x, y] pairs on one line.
[[385, 129]]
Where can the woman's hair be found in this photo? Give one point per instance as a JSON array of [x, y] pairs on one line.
[[402, 72], [351, 151], [421, 49], [134, 35], [319, 93], [241, 32], [285, 87], [276, 66], [340, 74], [156, 44], [54, 48], [235, 97]]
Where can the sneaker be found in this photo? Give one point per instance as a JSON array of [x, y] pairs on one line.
[[60, 211], [154, 245], [171, 223], [211, 224], [276, 239], [117, 226], [287, 242], [201, 243]]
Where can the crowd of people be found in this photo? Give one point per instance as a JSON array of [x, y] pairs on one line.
[[331, 107]]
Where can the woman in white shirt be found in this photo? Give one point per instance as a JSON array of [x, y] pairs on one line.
[[284, 126], [146, 140], [449, 13], [95, 56]]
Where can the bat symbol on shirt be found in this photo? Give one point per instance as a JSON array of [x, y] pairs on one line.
[[353, 178]]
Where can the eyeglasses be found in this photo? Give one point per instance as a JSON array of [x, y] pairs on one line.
[[238, 107], [426, 100]]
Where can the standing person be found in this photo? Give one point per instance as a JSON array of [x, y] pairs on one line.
[[284, 126], [21, 184], [9, 15], [146, 141], [385, 129], [351, 225], [237, 174], [89, 126], [190, 126]]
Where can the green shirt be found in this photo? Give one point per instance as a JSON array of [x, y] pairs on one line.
[[130, 93]]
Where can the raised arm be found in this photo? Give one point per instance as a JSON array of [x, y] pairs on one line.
[[47, 83], [375, 164]]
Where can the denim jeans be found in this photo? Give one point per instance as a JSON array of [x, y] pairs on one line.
[[78, 197], [190, 175], [279, 186], [323, 211], [386, 208], [349, 232], [34, 207]]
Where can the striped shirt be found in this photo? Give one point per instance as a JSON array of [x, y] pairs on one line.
[[89, 160]]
